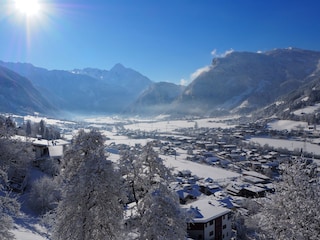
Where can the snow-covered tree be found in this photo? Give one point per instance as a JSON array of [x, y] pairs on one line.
[[90, 208], [9, 161], [15, 156], [293, 212], [28, 128], [142, 169], [7, 127], [8, 207], [159, 215], [44, 195]]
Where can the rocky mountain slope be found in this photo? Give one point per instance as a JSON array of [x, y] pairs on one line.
[[18, 95], [127, 78], [240, 82], [243, 81], [82, 91], [301, 104]]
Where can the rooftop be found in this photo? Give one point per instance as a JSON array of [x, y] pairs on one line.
[[205, 210]]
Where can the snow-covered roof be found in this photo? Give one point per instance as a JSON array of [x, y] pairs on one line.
[[252, 179], [44, 142], [255, 189], [255, 174], [205, 210]]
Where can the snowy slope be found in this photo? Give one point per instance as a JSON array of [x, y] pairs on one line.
[[22, 233]]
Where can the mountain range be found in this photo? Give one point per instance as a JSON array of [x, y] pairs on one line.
[[18, 95], [240, 82]]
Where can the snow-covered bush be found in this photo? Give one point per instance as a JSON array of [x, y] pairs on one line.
[[44, 195]]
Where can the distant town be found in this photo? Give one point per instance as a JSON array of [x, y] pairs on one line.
[[216, 163]]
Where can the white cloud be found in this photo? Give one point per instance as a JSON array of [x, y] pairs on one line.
[[215, 53], [204, 69], [228, 52], [184, 82], [199, 71]]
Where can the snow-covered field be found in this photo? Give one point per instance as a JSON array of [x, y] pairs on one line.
[[22, 233], [287, 125], [307, 110], [120, 139], [179, 163], [169, 126], [291, 145]]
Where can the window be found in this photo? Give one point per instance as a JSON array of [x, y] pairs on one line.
[[211, 233], [224, 217], [211, 222], [224, 226]]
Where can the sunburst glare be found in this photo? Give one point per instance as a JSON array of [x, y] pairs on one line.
[[28, 7]]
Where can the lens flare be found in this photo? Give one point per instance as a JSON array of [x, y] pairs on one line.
[[28, 7]]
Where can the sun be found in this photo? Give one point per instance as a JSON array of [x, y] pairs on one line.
[[28, 7]]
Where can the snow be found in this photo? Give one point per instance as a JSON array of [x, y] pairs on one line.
[[169, 126], [291, 145], [103, 120], [206, 209], [114, 138], [47, 120], [287, 125], [307, 110], [178, 163], [22, 233]]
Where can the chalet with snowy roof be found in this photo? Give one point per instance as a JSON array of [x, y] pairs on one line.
[[189, 191], [245, 190], [264, 178], [209, 188], [46, 149], [210, 221]]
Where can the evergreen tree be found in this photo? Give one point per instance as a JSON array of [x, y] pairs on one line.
[[90, 208], [28, 128]]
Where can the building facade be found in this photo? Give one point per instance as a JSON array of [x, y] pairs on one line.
[[210, 221]]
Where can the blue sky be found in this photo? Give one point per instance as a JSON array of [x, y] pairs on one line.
[[166, 40]]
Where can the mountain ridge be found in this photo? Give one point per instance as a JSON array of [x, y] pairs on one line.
[[83, 93], [18, 95], [238, 83], [256, 79]]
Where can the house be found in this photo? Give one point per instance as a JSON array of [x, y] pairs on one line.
[[210, 221], [188, 191], [209, 188], [46, 149], [245, 190]]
